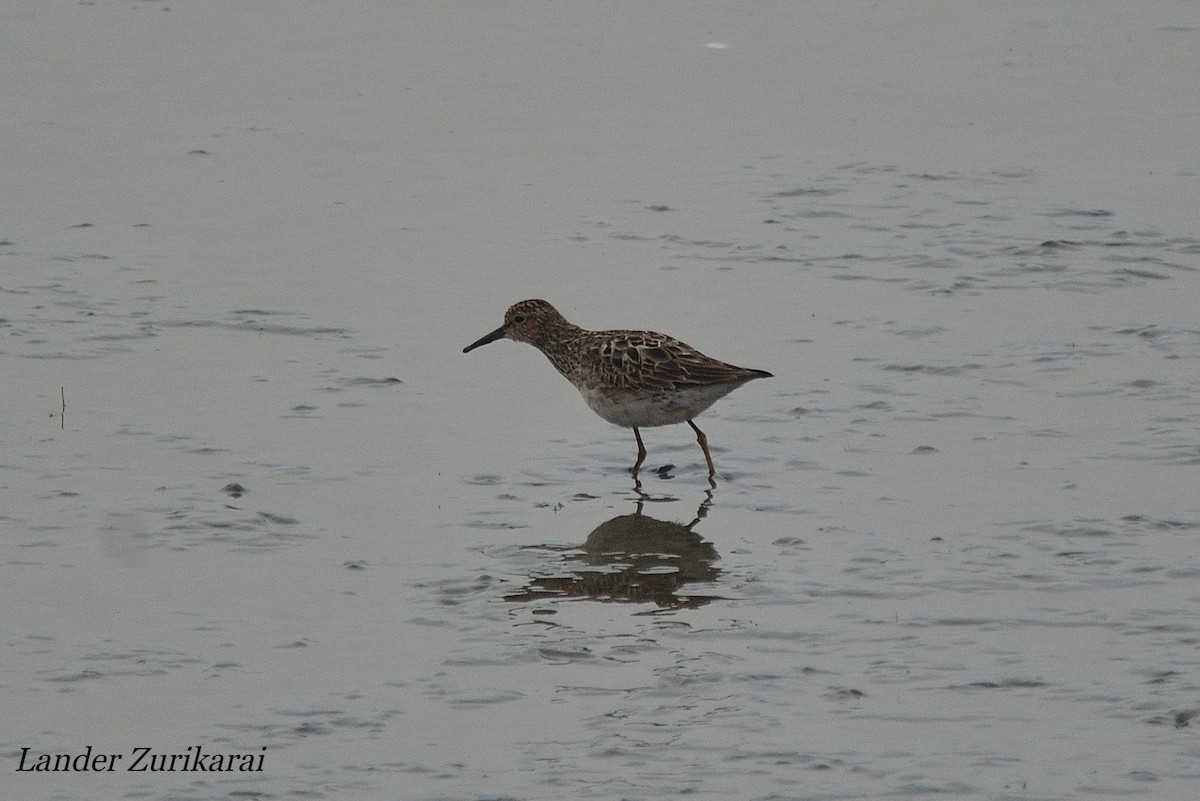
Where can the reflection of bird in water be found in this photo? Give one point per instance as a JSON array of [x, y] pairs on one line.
[[632, 558]]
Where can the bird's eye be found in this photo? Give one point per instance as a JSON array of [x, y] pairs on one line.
[[520, 318]]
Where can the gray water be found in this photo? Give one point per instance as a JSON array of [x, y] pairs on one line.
[[256, 497]]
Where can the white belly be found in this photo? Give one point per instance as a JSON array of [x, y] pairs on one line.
[[663, 409]]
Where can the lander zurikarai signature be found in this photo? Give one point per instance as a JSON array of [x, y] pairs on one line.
[[141, 760]]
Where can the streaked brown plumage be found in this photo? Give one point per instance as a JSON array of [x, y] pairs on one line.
[[633, 379]]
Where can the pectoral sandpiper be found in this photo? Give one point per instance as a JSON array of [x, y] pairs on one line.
[[634, 379]]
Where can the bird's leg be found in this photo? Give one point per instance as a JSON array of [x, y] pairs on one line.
[[703, 440], [641, 453]]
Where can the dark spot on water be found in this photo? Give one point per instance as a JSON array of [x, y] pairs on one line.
[[801, 192], [1079, 213], [372, 382], [1140, 273], [1007, 684], [234, 490]]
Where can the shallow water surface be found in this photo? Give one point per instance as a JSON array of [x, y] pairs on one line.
[[256, 496]]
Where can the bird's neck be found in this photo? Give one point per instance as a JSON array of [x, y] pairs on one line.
[[552, 344]]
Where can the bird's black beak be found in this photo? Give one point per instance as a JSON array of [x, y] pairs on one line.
[[492, 337]]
